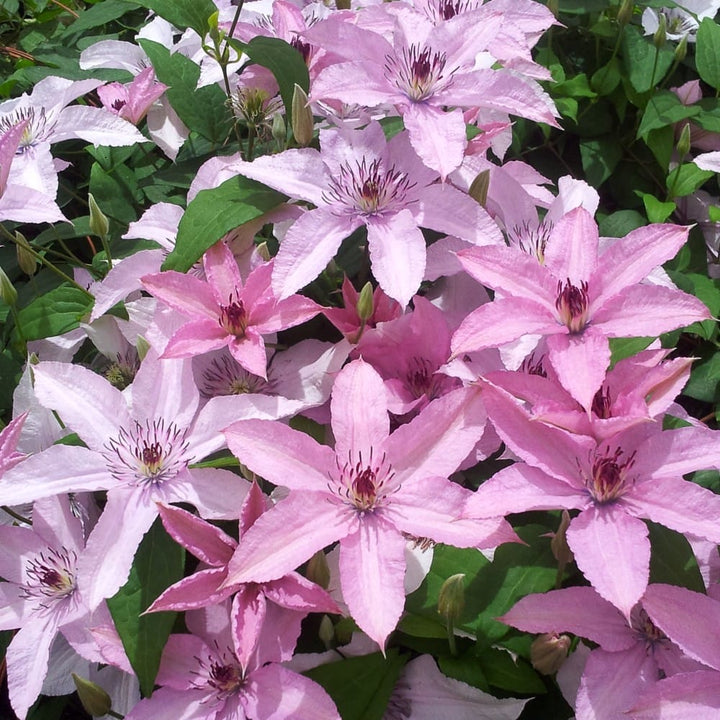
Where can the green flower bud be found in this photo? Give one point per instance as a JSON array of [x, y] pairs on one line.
[[479, 188], [660, 36], [93, 698], [625, 12], [7, 292], [26, 260], [302, 117], [681, 49], [683, 143], [451, 599], [326, 632], [342, 4], [279, 130], [317, 570], [99, 224], [548, 652], [366, 302]]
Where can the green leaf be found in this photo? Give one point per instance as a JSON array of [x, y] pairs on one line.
[[115, 193], [97, 16], [645, 65], [620, 223], [622, 348], [672, 559], [600, 157], [360, 686], [607, 78], [158, 563], [567, 107], [54, 313], [284, 62], [707, 52], [515, 676], [204, 109], [576, 86], [664, 108], [183, 13], [686, 179], [704, 378], [662, 145], [10, 372], [215, 212], [657, 212]]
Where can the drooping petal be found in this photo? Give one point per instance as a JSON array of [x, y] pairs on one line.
[[613, 551], [372, 571], [96, 126]]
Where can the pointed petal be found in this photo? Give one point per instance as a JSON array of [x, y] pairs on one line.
[[678, 504], [105, 565], [194, 592], [185, 293], [249, 352], [358, 385], [308, 247], [85, 401], [690, 619], [222, 272], [571, 250], [248, 616], [631, 259], [520, 487], [437, 136], [436, 441], [613, 551], [205, 541], [579, 610], [282, 455], [275, 693], [195, 338], [372, 572], [295, 592], [288, 535], [397, 254], [580, 362], [59, 469]]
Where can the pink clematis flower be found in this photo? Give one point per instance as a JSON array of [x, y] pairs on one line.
[[224, 311], [369, 492], [577, 297], [424, 70], [17, 202], [615, 483], [202, 678], [634, 652], [360, 179], [133, 100], [285, 601], [140, 445]]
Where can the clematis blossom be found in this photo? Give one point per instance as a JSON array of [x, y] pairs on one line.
[[616, 483], [369, 492], [133, 100], [361, 179]]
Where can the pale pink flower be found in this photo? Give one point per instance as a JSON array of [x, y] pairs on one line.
[[132, 101]]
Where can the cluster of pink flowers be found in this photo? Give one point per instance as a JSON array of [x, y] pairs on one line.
[[429, 377]]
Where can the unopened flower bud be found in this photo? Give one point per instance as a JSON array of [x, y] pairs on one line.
[[660, 36], [366, 302], [279, 130], [553, 6], [479, 188], [93, 698], [681, 49], [142, 346], [548, 652], [625, 12], [559, 545], [302, 117], [264, 251], [451, 598], [214, 32], [342, 4], [99, 224], [26, 260], [326, 632], [7, 292], [317, 570], [683, 144]]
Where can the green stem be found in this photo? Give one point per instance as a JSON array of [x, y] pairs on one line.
[[451, 639], [106, 248], [112, 713]]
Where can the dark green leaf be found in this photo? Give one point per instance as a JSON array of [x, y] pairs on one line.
[[600, 157], [115, 194], [622, 348], [284, 62], [183, 13], [54, 313], [98, 15], [707, 52], [664, 108], [620, 223], [607, 78], [644, 63], [158, 563], [10, 372], [686, 179], [515, 676], [704, 378], [204, 109], [215, 212], [672, 560], [360, 686]]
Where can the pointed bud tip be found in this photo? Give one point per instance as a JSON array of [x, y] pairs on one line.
[[93, 698]]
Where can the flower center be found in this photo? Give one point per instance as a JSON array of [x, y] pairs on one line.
[[37, 130], [532, 239], [678, 22], [609, 479], [365, 485], [224, 678], [417, 72], [148, 455], [369, 188], [644, 627], [602, 404], [422, 380], [224, 376], [50, 575], [233, 317], [221, 672], [305, 49], [572, 305], [534, 366]]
